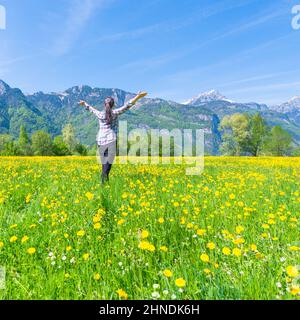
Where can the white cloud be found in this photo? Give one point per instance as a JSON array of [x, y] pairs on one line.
[[157, 61], [263, 88], [173, 24], [78, 15]]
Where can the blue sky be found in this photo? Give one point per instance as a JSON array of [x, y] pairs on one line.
[[175, 49]]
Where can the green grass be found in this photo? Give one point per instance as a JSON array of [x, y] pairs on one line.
[[49, 200]]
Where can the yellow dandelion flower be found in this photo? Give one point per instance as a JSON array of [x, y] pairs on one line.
[[96, 218], [180, 282], [151, 248], [201, 232], [204, 257], [31, 250], [144, 234], [259, 255], [145, 245], [89, 195], [86, 256], [161, 220], [120, 222], [97, 276], [81, 233], [294, 248], [295, 290], [237, 252], [13, 239], [211, 246], [292, 271], [164, 248], [168, 273], [239, 229], [24, 239], [97, 226], [239, 241], [226, 251], [1, 244], [28, 197], [122, 294], [207, 271]]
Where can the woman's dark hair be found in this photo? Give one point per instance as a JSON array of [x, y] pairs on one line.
[[108, 104]]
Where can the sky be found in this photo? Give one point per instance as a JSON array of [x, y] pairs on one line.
[[174, 49]]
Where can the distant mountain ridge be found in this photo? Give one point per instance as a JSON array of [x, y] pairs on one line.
[[286, 115], [51, 111], [205, 97]]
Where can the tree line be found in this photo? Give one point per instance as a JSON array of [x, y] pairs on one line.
[[41, 144], [244, 134]]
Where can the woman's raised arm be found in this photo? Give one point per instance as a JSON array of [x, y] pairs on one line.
[[96, 112], [130, 103]]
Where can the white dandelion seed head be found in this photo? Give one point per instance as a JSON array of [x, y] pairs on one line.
[[282, 259], [155, 295]]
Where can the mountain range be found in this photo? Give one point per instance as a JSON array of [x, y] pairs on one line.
[[51, 111]]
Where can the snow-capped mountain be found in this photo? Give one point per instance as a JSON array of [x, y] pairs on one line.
[[291, 109], [205, 97], [287, 107], [51, 111]]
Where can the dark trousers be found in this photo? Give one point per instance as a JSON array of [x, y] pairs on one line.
[[107, 155]]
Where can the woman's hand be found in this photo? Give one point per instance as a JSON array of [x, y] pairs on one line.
[[83, 103], [139, 96], [142, 94]]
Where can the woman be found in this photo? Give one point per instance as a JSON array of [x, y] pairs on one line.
[[108, 130]]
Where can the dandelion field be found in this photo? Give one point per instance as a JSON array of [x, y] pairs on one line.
[[153, 232]]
